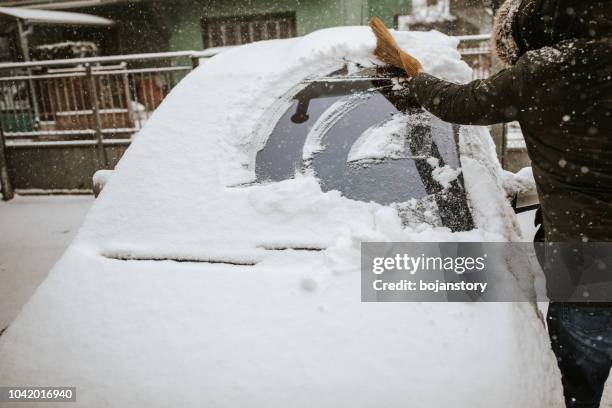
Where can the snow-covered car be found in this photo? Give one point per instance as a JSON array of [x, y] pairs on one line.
[[220, 264]]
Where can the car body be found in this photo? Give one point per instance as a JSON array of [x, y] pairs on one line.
[[220, 264]]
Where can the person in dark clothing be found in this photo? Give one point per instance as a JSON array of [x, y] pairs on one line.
[[560, 90], [558, 85]]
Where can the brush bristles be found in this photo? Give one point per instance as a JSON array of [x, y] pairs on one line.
[[389, 52], [386, 46]]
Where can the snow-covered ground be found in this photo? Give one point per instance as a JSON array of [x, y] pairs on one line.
[[35, 231]]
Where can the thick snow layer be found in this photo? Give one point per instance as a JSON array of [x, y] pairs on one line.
[[520, 182], [381, 141], [482, 176], [289, 330], [101, 177], [444, 175]]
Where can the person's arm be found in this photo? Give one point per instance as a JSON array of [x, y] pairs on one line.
[[496, 99], [481, 102]]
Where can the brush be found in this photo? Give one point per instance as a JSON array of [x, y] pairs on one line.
[[389, 52]]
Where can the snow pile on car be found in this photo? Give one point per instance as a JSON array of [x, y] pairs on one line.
[[519, 182], [386, 140], [289, 330]]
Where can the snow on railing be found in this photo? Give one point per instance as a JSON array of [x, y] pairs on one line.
[[193, 55]]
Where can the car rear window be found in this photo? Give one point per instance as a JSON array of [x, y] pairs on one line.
[[360, 135]]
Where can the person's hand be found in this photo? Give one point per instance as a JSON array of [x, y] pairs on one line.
[[389, 52]]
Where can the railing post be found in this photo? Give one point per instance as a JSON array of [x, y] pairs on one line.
[[195, 61], [25, 49], [93, 100], [128, 97], [5, 181]]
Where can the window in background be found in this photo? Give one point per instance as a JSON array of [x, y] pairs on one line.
[[237, 30]]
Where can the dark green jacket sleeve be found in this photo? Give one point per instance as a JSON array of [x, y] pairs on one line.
[[480, 102]]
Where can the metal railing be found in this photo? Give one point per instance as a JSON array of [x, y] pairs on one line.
[[87, 99], [476, 51], [62, 120]]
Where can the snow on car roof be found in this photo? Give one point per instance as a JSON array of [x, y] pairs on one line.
[[289, 330]]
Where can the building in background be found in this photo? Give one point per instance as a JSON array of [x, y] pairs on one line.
[[171, 25], [453, 17]]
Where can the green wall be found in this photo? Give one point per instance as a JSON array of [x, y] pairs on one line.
[[387, 9], [173, 25], [311, 15]]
